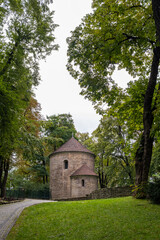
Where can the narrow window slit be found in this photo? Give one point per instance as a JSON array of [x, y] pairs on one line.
[[83, 183], [65, 164]]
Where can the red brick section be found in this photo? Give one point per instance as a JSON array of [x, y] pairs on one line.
[[84, 170], [72, 146]]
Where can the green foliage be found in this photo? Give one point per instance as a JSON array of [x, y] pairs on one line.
[[38, 139], [140, 191], [154, 189], [129, 109], [121, 35], [121, 218], [112, 146], [18, 181], [30, 160], [26, 36], [23, 188], [116, 34], [155, 163], [82, 138], [58, 129], [114, 157]]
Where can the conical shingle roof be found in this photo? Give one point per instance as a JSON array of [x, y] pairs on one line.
[[72, 145], [84, 170]]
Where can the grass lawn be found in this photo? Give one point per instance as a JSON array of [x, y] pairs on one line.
[[111, 219]]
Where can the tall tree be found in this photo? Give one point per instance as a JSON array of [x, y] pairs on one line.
[[40, 137], [124, 34], [112, 147], [57, 130], [26, 37], [30, 152]]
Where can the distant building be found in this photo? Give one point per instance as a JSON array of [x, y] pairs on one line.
[[72, 171]]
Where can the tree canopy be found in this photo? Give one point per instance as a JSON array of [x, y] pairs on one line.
[[58, 129], [116, 34], [123, 34], [27, 35]]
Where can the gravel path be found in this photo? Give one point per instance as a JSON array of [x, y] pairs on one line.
[[10, 212]]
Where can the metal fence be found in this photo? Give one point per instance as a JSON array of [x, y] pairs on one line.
[[21, 193]]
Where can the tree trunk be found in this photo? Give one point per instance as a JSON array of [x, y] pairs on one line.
[[45, 175], [1, 171], [10, 57], [139, 161], [4, 178], [142, 163], [156, 16], [148, 115], [43, 179], [99, 177], [144, 152], [46, 178]]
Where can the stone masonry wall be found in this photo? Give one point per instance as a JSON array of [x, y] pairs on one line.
[[91, 184], [110, 193], [60, 184]]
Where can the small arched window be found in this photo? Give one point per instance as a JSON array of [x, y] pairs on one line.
[[83, 183], [65, 164]]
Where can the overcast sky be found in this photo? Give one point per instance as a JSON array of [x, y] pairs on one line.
[[58, 92]]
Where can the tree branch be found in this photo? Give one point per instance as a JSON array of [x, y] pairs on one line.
[[129, 37], [10, 58]]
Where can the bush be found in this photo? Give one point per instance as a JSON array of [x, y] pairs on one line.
[[154, 189]]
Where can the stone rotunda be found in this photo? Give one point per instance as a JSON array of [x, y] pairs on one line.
[[72, 171]]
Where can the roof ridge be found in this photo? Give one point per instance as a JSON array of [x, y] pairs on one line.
[[72, 145], [84, 170]]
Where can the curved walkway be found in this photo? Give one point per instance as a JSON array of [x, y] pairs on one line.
[[10, 212]]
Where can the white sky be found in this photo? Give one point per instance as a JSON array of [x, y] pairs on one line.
[[58, 92]]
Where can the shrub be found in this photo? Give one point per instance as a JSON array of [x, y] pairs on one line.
[[154, 189]]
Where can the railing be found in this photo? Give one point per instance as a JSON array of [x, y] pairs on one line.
[[21, 193]]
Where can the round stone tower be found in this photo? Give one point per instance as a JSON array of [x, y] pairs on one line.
[[72, 171]]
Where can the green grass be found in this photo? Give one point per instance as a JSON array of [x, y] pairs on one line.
[[119, 219]]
